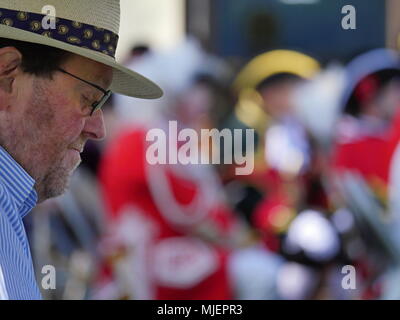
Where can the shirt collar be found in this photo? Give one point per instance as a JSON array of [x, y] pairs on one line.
[[18, 182]]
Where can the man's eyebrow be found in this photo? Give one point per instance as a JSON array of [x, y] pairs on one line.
[[102, 82]]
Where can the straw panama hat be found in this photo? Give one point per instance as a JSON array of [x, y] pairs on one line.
[[88, 28]]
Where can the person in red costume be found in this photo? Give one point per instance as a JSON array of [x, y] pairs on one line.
[[376, 129], [369, 132], [172, 230]]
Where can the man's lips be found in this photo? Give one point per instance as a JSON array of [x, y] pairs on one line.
[[80, 150]]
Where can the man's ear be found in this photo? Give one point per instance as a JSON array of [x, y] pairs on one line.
[[10, 60]]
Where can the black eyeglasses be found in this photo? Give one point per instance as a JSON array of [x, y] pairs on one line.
[[95, 105]]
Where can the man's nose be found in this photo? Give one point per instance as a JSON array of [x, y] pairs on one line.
[[94, 126]]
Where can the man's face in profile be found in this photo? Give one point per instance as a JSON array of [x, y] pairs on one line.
[[47, 122]]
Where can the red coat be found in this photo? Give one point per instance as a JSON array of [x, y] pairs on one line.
[[156, 213], [370, 155]]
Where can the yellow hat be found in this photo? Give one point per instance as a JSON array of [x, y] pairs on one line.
[[274, 62]]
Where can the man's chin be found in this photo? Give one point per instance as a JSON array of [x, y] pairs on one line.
[[54, 186]]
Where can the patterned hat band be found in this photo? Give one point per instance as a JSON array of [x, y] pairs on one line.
[[68, 31]]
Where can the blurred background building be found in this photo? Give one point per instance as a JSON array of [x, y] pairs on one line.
[[160, 25], [245, 28]]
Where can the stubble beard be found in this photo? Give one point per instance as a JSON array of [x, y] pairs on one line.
[[55, 182], [31, 146]]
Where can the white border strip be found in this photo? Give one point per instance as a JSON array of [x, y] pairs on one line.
[[3, 289]]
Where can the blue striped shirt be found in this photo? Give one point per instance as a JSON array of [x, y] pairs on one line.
[[17, 198]]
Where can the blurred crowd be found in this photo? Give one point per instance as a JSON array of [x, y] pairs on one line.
[[322, 195]]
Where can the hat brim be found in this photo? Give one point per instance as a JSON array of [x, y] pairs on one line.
[[125, 81]]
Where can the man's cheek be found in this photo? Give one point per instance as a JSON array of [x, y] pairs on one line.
[[68, 130]]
